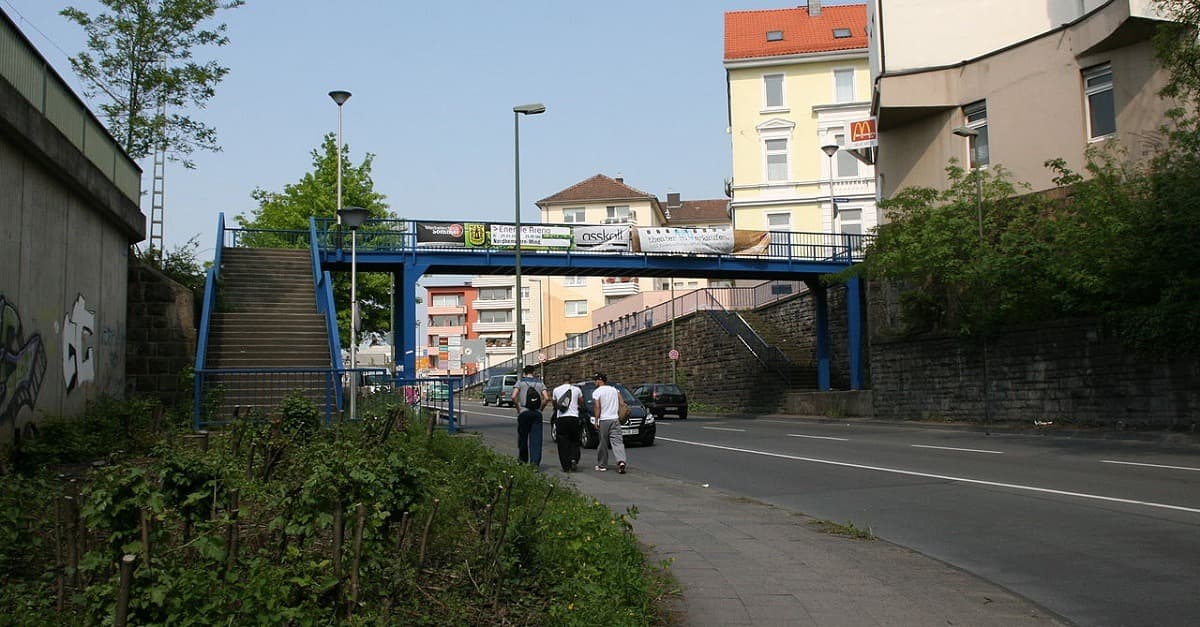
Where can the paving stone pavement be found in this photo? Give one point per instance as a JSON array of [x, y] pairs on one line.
[[742, 562]]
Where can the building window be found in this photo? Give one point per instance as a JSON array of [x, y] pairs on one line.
[[777, 159], [574, 281], [576, 341], [524, 291], [843, 81], [447, 300], [779, 221], [495, 293], [847, 164], [773, 91], [573, 215], [774, 35], [841, 33], [977, 147], [1102, 115], [617, 214], [495, 315], [576, 308], [849, 220]]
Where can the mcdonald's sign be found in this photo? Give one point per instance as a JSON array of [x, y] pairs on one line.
[[862, 134]]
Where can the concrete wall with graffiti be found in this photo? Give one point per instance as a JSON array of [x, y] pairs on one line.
[[62, 296], [68, 215]]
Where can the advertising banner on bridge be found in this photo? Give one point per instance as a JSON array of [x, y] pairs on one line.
[[601, 238], [717, 240], [535, 236], [441, 234]]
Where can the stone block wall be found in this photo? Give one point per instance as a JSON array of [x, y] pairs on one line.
[[1065, 372], [161, 339]]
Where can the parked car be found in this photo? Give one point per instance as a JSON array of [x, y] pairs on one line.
[[641, 428], [662, 398], [498, 389], [377, 382]]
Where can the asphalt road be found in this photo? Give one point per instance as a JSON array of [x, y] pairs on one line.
[[1101, 532]]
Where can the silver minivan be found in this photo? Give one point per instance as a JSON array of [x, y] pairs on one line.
[[498, 389]]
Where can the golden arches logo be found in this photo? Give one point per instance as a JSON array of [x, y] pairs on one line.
[[862, 130]]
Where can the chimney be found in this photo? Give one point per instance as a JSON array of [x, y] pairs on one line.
[[673, 200], [620, 179], [814, 8]]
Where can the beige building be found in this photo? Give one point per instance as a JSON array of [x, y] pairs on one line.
[[1034, 79], [798, 79], [565, 307]]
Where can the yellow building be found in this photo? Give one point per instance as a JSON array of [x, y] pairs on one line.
[[798, 79]]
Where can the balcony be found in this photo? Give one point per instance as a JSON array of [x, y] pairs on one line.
[[492, 327], [499, 303], [629, 219], [447, 331], [446, 311], [620, 286]]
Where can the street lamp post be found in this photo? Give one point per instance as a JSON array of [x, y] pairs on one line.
[[353, 217], [518, 111], [830, 150], [972, 137], [339, 96]]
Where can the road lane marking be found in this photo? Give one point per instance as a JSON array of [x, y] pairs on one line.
[[1113, 461], [913, 473], [951, 448], [817, 437], [722, 429]]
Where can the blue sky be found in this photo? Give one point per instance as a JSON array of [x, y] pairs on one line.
[[632, 88]]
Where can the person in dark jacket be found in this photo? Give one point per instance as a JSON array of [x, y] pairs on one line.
[[529, 396]]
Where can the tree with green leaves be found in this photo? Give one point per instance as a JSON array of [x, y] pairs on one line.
[[140, 55], [281, 220]]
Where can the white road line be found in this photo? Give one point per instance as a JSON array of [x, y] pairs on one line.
[[817, 437], [910, 473], [1113, 461], [722, 429], [951, 448]]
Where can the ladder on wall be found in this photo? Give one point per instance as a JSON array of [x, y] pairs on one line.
[[156, 194]]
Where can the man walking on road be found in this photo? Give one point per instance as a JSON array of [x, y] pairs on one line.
[[607, 400], [529, 396], [566, 398]]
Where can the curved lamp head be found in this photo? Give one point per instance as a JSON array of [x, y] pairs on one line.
[[340, 96], [829, 149], [964, 131], [353, 217], [530, 109]]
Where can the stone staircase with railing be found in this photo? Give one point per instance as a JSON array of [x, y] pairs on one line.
[[266, 318]]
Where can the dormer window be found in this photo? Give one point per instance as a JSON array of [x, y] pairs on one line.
[[841, 33], [776, 35]]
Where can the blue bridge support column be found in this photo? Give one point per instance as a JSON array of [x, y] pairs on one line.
[[405, 317], [821, 318], [854, 329]]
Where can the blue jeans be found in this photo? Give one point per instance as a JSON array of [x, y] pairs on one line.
[[529, 437]]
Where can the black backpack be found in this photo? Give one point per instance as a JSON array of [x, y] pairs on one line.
[[564, 401], [533, 398]]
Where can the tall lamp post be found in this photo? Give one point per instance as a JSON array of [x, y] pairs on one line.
[[830, 150], [352, 218], [972, 137], [518, 111], [340, 96]]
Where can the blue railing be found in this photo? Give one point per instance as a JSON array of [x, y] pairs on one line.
[[323, 290], [379, 235], [210, 302]]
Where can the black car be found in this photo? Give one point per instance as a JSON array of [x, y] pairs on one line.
[[662, 398], [641, 428]]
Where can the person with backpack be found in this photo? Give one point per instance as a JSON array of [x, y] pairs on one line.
[[566, 422], [529, 396]]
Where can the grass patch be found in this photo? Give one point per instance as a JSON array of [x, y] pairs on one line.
[[849, 529]]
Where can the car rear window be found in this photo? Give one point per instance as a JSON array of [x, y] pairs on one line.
[[669, 389]]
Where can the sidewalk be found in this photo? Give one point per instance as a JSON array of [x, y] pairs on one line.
[[741, 562]]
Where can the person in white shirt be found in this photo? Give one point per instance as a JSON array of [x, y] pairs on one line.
[[567, 428], [606, 400]]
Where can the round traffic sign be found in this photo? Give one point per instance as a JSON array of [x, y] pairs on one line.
[[541, 357], [674, 354]]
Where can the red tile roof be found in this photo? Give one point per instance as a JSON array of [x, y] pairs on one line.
[[746, 31], [698, 211], [598, 187]]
